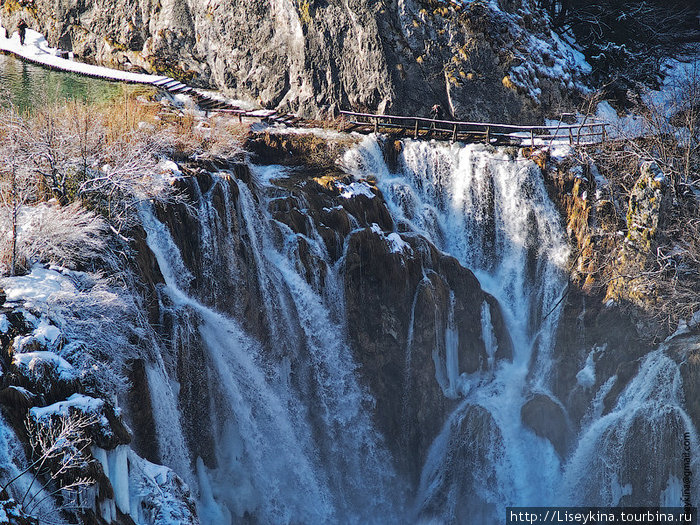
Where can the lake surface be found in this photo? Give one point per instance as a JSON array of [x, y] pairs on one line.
[[28, 86]]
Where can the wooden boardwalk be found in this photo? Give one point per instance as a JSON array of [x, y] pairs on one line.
[[498, 134], [37, 51]]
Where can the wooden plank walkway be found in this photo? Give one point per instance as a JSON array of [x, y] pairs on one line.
[[37, 51], [490, 133]]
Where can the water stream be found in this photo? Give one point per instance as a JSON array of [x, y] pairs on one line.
[[294, 437]]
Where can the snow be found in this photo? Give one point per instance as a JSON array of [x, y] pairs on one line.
[[4, 324], [170, 167], [36, 49], [80, 402], [600, 181], [156, 495], [36, 287], [348, 191], [46, 333], [394, 241], [542, 54], [397, 244], [619, 126], [669, 99], [28, 360]]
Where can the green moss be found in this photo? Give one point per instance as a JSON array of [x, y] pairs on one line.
[[115, 45], [162, 67], [306, 11]]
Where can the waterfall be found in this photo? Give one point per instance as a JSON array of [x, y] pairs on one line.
[[648, 421], [491, 211], [489, 208], [290, 421], [291, 446]]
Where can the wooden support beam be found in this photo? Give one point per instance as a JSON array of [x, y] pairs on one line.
[[415, 130]]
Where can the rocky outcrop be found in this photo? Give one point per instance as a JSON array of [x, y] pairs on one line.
[[406, 305], [610, 317], [317, 56], [468, 467], [44, 398], [548, 420]]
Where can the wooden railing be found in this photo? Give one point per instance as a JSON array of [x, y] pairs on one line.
[[588, 132]]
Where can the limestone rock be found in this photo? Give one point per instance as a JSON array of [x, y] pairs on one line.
[[400, 304], [648, 203], [318, 56], [467, 467], [548, 420]]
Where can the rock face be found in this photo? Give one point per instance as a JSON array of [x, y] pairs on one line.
[[402, 307], [468, 467], [547, 419], [318, 56], [647, 207]]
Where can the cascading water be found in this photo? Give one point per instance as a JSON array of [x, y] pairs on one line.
[[287, 450], [648, 422], [293, 435], [492, 212]]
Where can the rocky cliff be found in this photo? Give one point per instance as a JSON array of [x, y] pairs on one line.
[[482, 61]]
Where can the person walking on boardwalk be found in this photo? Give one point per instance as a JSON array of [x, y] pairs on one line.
[[435, 114], [22, 27]]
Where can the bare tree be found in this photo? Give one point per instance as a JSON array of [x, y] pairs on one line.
[[60, 448], [17, 186]]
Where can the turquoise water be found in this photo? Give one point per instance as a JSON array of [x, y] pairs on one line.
[[28, 86]]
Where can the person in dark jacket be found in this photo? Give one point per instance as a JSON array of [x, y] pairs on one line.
[[22, 27]]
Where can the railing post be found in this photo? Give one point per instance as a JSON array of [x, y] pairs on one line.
[[376, 124], [603, 133], [571, 138], [532, 137], [454, 133], [488, 135], [415, 130]]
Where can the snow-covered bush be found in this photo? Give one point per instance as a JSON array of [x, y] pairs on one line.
[[68, 236]]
